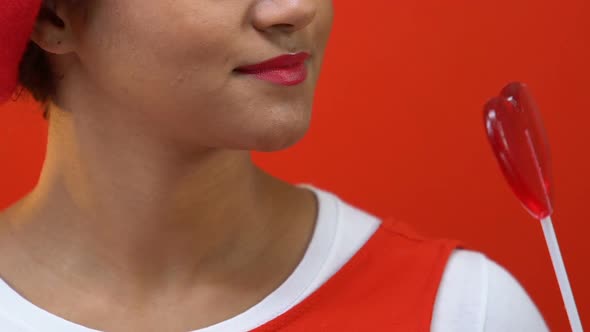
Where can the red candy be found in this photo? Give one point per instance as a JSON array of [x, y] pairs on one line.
[[515, 131]]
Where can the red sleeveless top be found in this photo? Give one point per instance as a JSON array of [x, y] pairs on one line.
[[390, 284]]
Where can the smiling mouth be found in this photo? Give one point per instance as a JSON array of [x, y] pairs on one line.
[[276, 63], [285, 76], [286, 70]]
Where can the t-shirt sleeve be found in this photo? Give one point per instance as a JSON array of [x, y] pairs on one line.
[[7, 324], [477, 294]]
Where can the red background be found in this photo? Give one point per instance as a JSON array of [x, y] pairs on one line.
[[397, 127]]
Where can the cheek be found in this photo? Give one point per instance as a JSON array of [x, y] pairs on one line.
[[171, 69], [153, 54], [323, 27]]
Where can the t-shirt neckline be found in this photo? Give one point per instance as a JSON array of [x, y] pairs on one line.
[[272, 306]]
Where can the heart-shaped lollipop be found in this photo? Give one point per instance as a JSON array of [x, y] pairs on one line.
[[515, 130]]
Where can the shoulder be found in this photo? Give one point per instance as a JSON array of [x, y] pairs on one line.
[[477, 294]]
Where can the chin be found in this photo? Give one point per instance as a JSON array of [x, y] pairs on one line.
[[279, 136], [280, 128], [279, 140]]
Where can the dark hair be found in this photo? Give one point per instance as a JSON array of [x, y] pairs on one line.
[[35, 73], [36, 76]]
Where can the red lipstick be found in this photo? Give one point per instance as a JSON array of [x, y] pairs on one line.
[[288, 69]]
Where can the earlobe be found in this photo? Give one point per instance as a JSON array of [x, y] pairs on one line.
[[48, 42]]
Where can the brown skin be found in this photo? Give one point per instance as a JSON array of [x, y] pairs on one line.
[[149, 213]]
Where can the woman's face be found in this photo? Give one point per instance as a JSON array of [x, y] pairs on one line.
[[167, 66]]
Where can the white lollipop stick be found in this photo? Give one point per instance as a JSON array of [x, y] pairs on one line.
[[562, 279]]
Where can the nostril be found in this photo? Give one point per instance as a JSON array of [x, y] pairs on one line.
[[285, 16]]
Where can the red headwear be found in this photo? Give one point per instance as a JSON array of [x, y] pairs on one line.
[[17, 18]]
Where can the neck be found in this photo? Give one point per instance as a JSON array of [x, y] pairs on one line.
[[140, 214]]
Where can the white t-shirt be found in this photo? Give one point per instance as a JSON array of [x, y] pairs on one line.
[[475, 294]]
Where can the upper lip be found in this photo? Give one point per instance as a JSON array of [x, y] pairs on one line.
[[282, 61]]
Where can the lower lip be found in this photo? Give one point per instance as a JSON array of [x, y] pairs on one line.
[[287, 76]]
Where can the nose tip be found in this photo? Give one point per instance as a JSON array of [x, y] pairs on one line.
[[284, 15]]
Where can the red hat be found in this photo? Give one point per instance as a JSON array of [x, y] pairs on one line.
[[17, 19]]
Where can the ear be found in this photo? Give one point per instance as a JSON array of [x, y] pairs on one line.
[[53, 31]]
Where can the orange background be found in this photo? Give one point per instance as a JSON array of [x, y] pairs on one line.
[[397, 127]]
